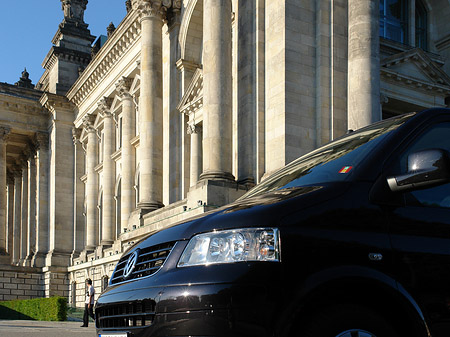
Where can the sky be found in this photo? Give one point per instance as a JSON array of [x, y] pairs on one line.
[[28, 26]]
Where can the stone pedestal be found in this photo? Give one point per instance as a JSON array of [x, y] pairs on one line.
[[214, 193]]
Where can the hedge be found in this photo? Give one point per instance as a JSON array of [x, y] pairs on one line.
[[40, 309]]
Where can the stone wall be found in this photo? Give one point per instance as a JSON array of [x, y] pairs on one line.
[[21, 283]]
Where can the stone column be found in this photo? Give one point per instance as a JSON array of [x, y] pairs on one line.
[[217, 90], [91, 183], [108, 234], [10, 217], [24, 222], [78, 203], [196, 152], [128, 153], [4, 133], [363, 63], [31, 213], [17, 215], [150, 105], [42, 196]]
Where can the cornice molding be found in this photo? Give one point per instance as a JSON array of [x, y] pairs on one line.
[[125, 36]]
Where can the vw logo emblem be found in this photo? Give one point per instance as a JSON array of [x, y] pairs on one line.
[[131, 264]]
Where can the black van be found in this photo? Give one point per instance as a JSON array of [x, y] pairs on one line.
[[352, 239]]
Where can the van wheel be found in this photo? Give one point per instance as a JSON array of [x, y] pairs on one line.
[[346, 321]]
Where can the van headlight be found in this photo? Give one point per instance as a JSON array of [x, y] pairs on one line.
[[228, 246]]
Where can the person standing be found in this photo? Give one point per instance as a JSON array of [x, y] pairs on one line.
[[89, 304]]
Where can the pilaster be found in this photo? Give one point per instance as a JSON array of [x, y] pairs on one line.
[[61, 179], [78, 203], [41, 141]]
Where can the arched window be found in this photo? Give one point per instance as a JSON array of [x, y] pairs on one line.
[[394, 20], [105, 280], [421, 25]]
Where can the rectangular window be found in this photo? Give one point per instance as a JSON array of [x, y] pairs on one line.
[[394, 20], [421, 26]]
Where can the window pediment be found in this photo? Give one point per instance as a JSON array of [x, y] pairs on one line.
[[193, 98], [415, 67]]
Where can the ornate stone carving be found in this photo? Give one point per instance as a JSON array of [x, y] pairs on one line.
[[110, 29], [76, 134], [104, 106], [41, 141], [123, 87], [4, 133], [88, 123], [192, 128], [74, 9], [128, 5], [157, 8]]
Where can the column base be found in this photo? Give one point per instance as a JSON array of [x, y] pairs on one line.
[[58, 259], [248, 182], [27, 261], [107, 243], [217, 175], [149, 206], [38, 260], [5, 259], [214, 193]]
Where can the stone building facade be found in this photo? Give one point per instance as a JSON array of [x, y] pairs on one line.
[[185, 106]]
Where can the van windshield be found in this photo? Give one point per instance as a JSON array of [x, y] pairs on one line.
[[332, 162]]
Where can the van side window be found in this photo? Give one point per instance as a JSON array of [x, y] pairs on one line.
[[437, 136]]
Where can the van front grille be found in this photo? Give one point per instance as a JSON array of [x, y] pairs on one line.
[[148, 262], [125, 315]]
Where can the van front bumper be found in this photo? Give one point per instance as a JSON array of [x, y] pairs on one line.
[[188, 310]]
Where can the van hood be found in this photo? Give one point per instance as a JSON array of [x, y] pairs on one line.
[[266, 210]]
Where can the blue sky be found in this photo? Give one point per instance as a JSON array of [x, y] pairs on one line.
[[28, 26]]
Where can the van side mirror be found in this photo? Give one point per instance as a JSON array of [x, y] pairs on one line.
[[425, 169]]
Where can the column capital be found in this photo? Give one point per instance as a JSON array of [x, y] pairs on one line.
[[4, 133], [156, 8], [88, 123], [104, 106], [41, 140], [76, 134], [192, 128], [16, 171], [123, 87]]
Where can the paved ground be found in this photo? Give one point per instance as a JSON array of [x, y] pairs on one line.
[[44, 329]]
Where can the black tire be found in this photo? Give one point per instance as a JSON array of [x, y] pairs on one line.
[[345, 321]]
